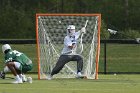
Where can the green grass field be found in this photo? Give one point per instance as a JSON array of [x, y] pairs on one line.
[[105, 84], [120, 58]]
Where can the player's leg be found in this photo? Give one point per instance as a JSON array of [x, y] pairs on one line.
[[19, 72], [79, 60], [5, 70], [14, 67], [25, 69], [3, 73], [63, 59]]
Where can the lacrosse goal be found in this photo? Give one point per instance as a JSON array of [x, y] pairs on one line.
[[50, 33]]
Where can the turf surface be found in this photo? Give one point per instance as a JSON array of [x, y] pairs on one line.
[[121, 83]]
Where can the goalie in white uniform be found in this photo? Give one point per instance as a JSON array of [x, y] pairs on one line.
[[69, 52]]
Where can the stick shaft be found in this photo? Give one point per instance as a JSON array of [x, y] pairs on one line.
[[86, 23]]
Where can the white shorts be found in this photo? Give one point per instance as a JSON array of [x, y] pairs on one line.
[[17, 65]]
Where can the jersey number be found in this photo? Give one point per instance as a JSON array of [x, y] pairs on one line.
[[17, 53]]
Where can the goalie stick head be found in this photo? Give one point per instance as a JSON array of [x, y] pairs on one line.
[[112, 31], [5, 47], [70, 30]]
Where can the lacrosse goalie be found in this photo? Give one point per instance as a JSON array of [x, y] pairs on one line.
[[69, 52]]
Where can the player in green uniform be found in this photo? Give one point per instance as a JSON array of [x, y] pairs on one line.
[[16, 62]]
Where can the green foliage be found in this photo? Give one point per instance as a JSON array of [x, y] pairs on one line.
[[129, 34], [15, 22], [18, 16], [132, 34], [104, 33]]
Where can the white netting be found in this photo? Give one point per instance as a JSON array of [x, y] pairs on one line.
[[51, 32]]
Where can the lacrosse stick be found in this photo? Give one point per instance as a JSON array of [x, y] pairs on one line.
[[81, 40]]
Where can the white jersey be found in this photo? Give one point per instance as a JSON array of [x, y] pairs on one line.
[[68, 41]]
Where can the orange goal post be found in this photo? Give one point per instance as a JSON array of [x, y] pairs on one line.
[[50, 32]]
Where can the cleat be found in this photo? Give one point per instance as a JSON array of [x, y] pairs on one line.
[[17, 81], [24, 79], [79, 75], [49, 77]]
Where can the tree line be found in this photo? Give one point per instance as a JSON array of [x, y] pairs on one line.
[[17, 17]]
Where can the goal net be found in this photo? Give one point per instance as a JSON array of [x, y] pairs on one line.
[[50, 32]]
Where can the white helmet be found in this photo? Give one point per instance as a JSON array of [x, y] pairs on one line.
[[71, 27], [5, 47], [70, 30]]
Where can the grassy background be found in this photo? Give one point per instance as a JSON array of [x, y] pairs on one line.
[[105, 84], [120, 57]]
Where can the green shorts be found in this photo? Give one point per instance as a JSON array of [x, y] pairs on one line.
[[26, 68]]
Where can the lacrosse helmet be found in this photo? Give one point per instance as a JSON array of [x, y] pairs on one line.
[[70, 30], [5, 47]]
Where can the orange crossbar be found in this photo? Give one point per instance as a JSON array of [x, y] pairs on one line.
[[39, 14]]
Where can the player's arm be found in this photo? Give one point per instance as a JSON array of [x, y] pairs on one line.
[[83, 29], [69, 43], [80, 32], [72, 46]]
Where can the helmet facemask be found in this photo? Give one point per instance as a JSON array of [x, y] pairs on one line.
[[71, 30]]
